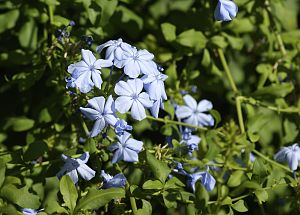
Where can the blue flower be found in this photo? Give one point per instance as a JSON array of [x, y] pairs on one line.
[[87, 72], [118, 180], [102, 113], [72, 165], [132, 97], [226, 10], [126, 149], [121, 125], [29, 211], [207, 180], [291, 154], [192, 113], [136, 62], [191, 141], [115, 48]]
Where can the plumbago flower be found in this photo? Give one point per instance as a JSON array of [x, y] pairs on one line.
[[102, 113], [132, 97], [291, 154], [135, 61], [29, 211], [155, 87], [191, 141], [207, 180], [121, 125], [86, 73], [126, 148], [226, 10], [74, 165], [115, 47], [118, 180], [192, 113]]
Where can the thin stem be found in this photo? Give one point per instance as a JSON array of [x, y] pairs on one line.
[[131, 198], [271, 161], [227, 71], [240, 114]]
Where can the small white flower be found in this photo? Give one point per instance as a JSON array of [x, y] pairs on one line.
[[72, 165]]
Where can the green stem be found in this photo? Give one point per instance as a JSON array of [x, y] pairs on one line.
[[239, 113], [166, 121], [227, 71], [255, 102], [131, 198], [271, 161]]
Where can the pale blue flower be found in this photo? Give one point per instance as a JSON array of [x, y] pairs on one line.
[[115, 48], [102, 113], [136, 62], [192, 113], [87, 72], [154, 85], [157, 104], [70, 82], [121, 125], [207, 180], [131, 97], [226, 10], [118, 180], [126, 149], [291, 154], [191, 141], [179, 169], [29, 211], [74, 165]]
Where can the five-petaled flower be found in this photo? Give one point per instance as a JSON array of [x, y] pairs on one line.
[[115, 48], [72, 165], [192, 113], [135, 61], [226, 10], [118, 180], [86, 73], [126, 148], [291, 154], [102, 113], [131, 96]]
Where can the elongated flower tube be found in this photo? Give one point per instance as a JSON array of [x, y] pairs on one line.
[[226, 10]]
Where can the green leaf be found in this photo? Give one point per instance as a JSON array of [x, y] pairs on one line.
[[28, 35], [21, 196], [129, 15], [192, 39], [98, 198], [171, 72], [69, 192], [155, 185], [160, 169], [107, 10], [2, 171], [170, 197], [226, 201], [219, 41], [277, 90], [169, 31], [240, 206], [235, 179], [8, 20], [290, 131], [50, 201], [243, 25], [45, 116], [35, 150], [201, 195], [146, 209], [173, 183], [19, 124], [261, 195]]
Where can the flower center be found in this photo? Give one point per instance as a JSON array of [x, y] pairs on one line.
[[134, 97], [91, 67]]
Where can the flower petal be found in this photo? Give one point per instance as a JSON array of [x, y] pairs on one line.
[[132, 69], [123, 89], [88, 57], [90, 113], [190, 102], [138, 111], [96, 77], [183, 112], [98, 127], [123, 104], [74, 176], [86, 172], [204, 105], [100, 63], [84, 82], [145, 100]]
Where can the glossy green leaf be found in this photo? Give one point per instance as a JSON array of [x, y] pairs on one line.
[[240, 206], [169, 31]]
